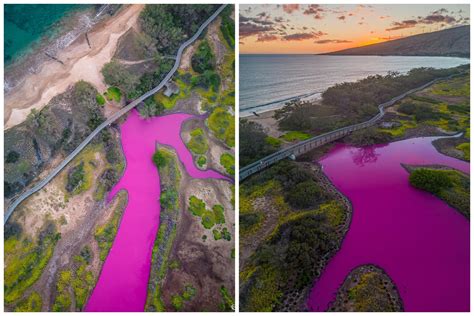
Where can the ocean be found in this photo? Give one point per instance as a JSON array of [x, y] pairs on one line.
[[26, 24], [268, 81]]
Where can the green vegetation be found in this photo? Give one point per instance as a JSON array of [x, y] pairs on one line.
[[32, 303], [466, 149], [169, 199], [222, 124], [168, 25], [207, 80], [227, 304], [304, 222], [274, 142], [12, 157], [100, 99], [198, 142], [75, 178], [227, 161], [370, 295], [449, 185], [203, 58], [209, 218], [353, 102], [201, 161], [113, 94], [25, 260], [150, 108], [221, 234], [228, 27], [160, 158], [253, 143], [105, 234], [295, 136], [370, 136], [178, 300], [80, 281], [116, 75]]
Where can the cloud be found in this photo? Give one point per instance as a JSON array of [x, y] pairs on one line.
[[289, 8], [402, 25], [315, 10], [336, 41], [279, 19], [266, 38], [249, 29], [254, 20], [433, 18], [440, 11], [303, 36], [384, 17], [342, 17]]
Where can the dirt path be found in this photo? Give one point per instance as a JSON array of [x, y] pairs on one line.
[[80, 63]]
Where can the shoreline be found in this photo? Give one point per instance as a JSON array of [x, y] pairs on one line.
[[80, 63]]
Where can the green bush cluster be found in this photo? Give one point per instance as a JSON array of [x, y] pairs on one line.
[[222, 124], [203, 58], [227, 161], [228, 27], [198, 142], [209, 218], [430, 180], [75, 177]]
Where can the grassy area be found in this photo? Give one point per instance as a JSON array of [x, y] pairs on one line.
[[32, 303], [113, 94], [25, 260], [198, 142], [466, 149], [105, 234], [170, 102], [79, 281], [275, 142], [222, 124], [295, 135], [449, 185], [178, 300], [227, 161]]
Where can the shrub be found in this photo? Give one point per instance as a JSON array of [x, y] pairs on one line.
[[12, 157], [222, 124], [305, 194], [113, 94], [219, 213], [169, 199], [201, 161], [203, 59], [227, 161], [198, 142], [75, 177], [430, 180], [196, 206], [159, 159], [116, 74], [100, 99]]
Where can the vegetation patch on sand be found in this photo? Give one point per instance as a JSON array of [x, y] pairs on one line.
[[113, 94], [295, 135]]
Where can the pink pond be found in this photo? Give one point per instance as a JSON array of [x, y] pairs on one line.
[[123, 282], [420, 242]]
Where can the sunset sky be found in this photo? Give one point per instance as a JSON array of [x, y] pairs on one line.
[[312, 28]]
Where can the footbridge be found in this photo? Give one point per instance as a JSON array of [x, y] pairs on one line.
[[111, 119], [307, 145]]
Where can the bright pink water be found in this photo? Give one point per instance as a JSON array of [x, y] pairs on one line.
[[421, 242], [122, 284]]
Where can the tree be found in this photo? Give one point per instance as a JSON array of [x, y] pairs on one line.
[[116, 74]]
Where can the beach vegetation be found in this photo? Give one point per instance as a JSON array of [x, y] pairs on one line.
[[117, 75], [295, 136]]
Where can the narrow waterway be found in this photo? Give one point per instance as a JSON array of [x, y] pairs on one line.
[[123, 282], [420, 241]]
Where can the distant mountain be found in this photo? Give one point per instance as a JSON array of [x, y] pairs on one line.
[[450, 42]]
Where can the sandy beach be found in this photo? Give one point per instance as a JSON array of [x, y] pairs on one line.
[[269, 124], [80, 63]]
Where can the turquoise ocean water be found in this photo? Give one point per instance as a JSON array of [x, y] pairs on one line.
[[26, 24]]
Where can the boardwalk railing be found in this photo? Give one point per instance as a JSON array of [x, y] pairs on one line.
[[112, 119], [317, 141]]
